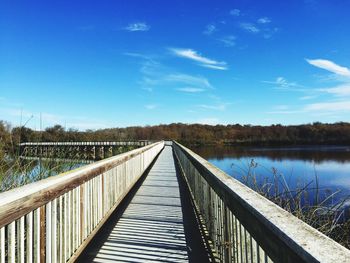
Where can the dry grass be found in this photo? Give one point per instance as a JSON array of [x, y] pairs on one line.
[[320, 208]]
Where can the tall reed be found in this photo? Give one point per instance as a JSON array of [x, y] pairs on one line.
[[321, 208]]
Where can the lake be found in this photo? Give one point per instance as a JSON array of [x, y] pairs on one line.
[[327, 166], [24, 170]]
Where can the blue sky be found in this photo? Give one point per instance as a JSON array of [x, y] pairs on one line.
[[99, 64]]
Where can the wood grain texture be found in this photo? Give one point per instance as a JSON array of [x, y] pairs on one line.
[[22, 200]]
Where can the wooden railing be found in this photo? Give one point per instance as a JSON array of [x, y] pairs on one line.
[[77, 150], [54, 219], [121, 143], [243, 226]]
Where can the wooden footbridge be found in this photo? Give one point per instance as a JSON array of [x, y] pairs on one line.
[[77, 150], [158, 203]]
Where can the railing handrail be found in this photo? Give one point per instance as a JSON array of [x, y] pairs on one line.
[[81, 143], [273, 226], [20, 201]]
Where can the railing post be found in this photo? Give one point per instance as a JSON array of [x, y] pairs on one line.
[[42, 234]]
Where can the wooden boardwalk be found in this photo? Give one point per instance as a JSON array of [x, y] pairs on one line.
[[138, 207], [152, 227]]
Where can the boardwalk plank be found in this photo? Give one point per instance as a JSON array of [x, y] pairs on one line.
[[151, 228]]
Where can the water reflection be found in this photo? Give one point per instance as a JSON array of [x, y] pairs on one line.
[[327, 168], [316, 154]]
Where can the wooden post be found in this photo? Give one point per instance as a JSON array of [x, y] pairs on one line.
[[42, 234]]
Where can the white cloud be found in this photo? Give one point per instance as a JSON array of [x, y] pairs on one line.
[[339, 91], [308, 97], [329, 106], [336, 102], [191, 90], [218, 107], [151, 106], [264, 20], [209, 29], [228, 41], [283, 83], [214, 67], [155, 74], [250, 27], [141, 26], [235, 12], [204, 62], [330, 66], [197, 81]]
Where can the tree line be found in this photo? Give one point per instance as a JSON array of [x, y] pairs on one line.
[[189, 134]]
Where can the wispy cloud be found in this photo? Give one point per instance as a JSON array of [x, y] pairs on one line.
[[308, 97], [218, 107], [214, 67], [140, 26], [336, 101], [339, 91], [329, 106], [340, 74], [191, 90], [250, 27], [264, 20], [210, 29], [283, 109], [318, 108], [203, 61], [235, 12], [260, 26], [329, 66], [137, 55], [191, 80], [228, 41], [155, 74], [151, 106], [282, 83]]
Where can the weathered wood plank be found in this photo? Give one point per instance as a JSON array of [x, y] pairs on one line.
[[12, 242], [29, 238], [151, 228], [20, 240], [56, 231], [22, 200], [281, 236], [2, 245], [48, 236]]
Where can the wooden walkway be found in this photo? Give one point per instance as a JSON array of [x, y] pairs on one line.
[[152, 227]]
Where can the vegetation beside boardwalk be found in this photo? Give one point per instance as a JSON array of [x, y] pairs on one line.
[[307, 200], [192, 134], [317, 212], [15, 171]]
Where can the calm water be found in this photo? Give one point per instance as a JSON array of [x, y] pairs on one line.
[[297, 165]]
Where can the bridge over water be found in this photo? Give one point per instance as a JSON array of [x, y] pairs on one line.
[[78, 150], [158, 203]]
